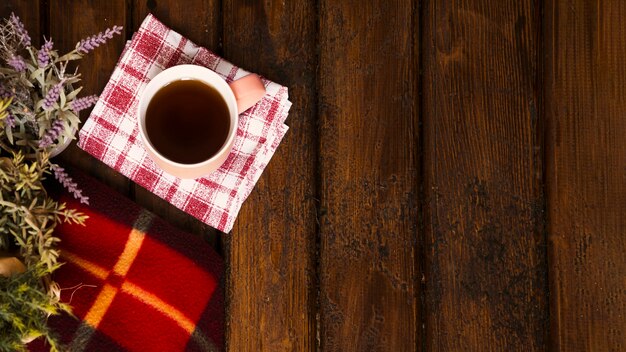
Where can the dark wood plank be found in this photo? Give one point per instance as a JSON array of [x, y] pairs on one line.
[[585, 107], [271, 251], [369, 181], [484, 249], [200, 21], [71, 21], [29, 12]]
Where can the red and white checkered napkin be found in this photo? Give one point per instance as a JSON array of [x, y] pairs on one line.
[[111, 135]]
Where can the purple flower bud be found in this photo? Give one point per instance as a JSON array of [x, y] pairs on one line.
[[4, 93], [20, 31], [83, 103], [52, 134], [17, 62], [88, 44], [43, 56], [52, 96], [9, 121], [68, 183]]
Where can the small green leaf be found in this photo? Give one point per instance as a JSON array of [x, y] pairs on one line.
[[39, 104], [62, 105], [36, 73], [74, 93], [9, 132]]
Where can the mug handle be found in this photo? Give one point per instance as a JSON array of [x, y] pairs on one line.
[[248, 91]]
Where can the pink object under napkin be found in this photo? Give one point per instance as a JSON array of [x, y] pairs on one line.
[[111, 135]]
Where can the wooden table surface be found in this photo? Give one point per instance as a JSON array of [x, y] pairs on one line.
[[454, 178]]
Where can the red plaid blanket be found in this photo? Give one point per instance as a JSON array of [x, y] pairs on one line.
[[111, 134], [136, 283]]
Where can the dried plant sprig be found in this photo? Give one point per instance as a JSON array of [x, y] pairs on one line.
[[52, 134], [29, 216], [84, 103], [43, 55], [4, 93], [9, 121], [19, 29], [39, 108], [68, 183], [17, 62], [42, 88], [25, 307], [88, 44], [4, 105], [53, 95]]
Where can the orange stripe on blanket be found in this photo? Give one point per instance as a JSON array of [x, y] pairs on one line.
[[93, 269], [100, 306], [160, 305], [105, 297], [133, 244]]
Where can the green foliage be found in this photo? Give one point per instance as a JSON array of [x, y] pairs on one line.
[[27, 221], [25, 307], [29, 216], [38, 111], [4, 106]]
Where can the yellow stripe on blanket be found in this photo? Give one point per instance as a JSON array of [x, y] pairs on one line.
[[160, 305]]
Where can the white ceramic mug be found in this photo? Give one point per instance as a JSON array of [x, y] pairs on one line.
[[239, 96]]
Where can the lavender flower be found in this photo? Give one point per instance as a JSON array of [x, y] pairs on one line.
[[20, 31], [88, 44], [52, 134], [43, 56], [83, 103], [17, 62], [68, 183], [4, 93], [9, 121], [52, 96]]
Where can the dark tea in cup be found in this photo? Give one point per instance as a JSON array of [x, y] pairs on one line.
[[188, 116], [187, 121]]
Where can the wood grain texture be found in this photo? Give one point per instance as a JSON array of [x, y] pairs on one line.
[[199, 21], [361, 274], [586, 108], [271, 286], [368, 117], [484, 252], [29, 11], [71, 21]]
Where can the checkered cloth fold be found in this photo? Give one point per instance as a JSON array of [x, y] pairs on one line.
[[134, 282], [111, 133]]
